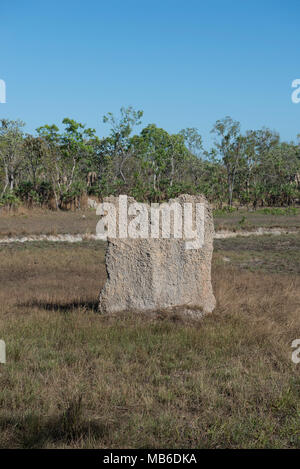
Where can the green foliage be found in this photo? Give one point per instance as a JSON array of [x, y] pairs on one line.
[[9, 199], [76, 190], [276, 211], [251, 168], [34, 194]]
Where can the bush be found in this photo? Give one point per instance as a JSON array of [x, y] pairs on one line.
[[38, 194], [9, 199]]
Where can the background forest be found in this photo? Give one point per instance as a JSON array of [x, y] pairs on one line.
[[55, 167]]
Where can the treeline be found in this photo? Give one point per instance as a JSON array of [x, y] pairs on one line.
[[56, 168]]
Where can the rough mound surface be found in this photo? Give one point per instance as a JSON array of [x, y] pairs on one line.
[[148, 275]]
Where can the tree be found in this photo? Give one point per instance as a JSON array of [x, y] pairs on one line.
[[34, 149], [230, 147], [161, 158], [153, 165], [65, 157], [118, 144], [11, 152], [279, 168], [257, 144], [193, 140]]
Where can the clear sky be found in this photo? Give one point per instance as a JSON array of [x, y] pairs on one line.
[[184, 63]]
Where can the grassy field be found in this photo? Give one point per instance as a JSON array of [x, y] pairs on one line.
[[279, 254], [265, 217], [76, 379], [35, 222]]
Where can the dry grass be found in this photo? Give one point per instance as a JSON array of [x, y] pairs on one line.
[[251, 220], [39, 221], [77, 379], [267, 253]]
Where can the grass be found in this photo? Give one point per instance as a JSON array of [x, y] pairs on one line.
[[266, 253], [38, 221], [268, 217], [76, 379]]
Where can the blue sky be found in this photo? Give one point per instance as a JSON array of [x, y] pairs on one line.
[[184, 63]]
